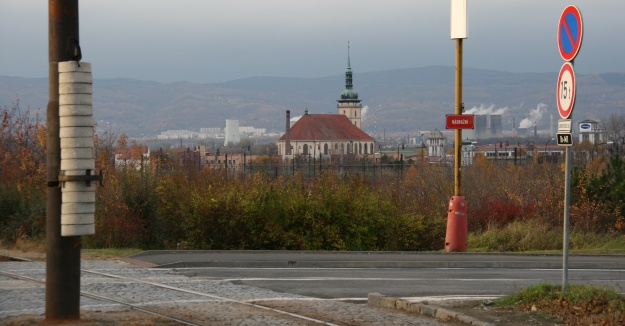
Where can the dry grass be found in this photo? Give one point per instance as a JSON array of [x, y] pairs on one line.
[[36, 250], [28, 249]]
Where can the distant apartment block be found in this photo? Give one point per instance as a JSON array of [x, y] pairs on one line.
[[177, 134], [215, 133], [252, 132]]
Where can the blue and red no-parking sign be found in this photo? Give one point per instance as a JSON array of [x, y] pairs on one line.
[[570, 32]]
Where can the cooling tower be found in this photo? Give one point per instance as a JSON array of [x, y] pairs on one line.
[[232, 132], [469, 134], [481, 125], [522, 132], [495, 125]]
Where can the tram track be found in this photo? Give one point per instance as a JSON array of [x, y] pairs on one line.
[[106, 299], [153, 311]]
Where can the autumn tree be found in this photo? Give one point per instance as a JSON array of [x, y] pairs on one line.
[[615, 127], [22, 174]]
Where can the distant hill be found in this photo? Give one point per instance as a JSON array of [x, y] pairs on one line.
[[402, 100]]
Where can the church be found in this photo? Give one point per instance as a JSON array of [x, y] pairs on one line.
[[328, 134]]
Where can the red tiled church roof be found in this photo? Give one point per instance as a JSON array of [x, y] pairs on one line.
[[332, 127]]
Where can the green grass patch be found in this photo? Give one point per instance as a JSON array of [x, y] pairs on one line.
[[580, 305], [109, 253], [597, 243], [533, 236], [517, 236]]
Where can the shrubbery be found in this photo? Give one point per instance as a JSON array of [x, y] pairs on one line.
[[511, 207], [327, 213]]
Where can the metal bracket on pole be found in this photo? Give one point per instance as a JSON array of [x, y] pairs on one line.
[[87, 178], [461, 108]]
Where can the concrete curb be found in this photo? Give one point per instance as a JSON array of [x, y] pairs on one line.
[[386, 264], [11, 258], [137, 262], [382, 301], [356, 259]]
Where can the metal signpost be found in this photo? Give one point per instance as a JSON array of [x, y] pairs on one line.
[[570, 32], [456, 236]]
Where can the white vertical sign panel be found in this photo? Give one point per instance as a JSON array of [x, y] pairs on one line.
[[77, 156], [459, 19]]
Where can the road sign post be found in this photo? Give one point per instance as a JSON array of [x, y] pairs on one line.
[[569, 36]]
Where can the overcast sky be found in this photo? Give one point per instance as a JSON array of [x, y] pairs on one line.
[[213, 41]]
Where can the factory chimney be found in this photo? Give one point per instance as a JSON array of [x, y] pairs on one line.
[[287, 143]]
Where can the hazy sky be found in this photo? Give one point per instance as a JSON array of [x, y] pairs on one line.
[[212, 41]]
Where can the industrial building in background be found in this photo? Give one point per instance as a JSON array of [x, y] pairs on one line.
[[486, 126], [232, 135]]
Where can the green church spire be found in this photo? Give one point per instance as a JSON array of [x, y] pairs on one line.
[[349, 94], [349, 65]]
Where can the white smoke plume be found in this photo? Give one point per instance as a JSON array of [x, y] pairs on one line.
[[483, 110], [534, 116], [295, 119], [363, 113]]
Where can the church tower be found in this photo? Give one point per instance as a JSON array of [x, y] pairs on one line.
[[349, 104]]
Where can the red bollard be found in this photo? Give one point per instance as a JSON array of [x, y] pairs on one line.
[[456, 237]]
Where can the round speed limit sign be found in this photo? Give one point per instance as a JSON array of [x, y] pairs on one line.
[[566, 90]]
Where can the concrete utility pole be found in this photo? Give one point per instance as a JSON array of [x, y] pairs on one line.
[[62, 253]]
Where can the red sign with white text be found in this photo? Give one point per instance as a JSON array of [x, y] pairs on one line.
[[460, 121]]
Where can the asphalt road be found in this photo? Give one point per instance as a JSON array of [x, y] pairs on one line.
[[352, 275], [402, 282]]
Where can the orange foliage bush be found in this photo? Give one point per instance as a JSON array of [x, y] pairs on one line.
[[22, 174]]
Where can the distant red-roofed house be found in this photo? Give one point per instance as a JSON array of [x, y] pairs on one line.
[[136, 156], [327, 134]]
